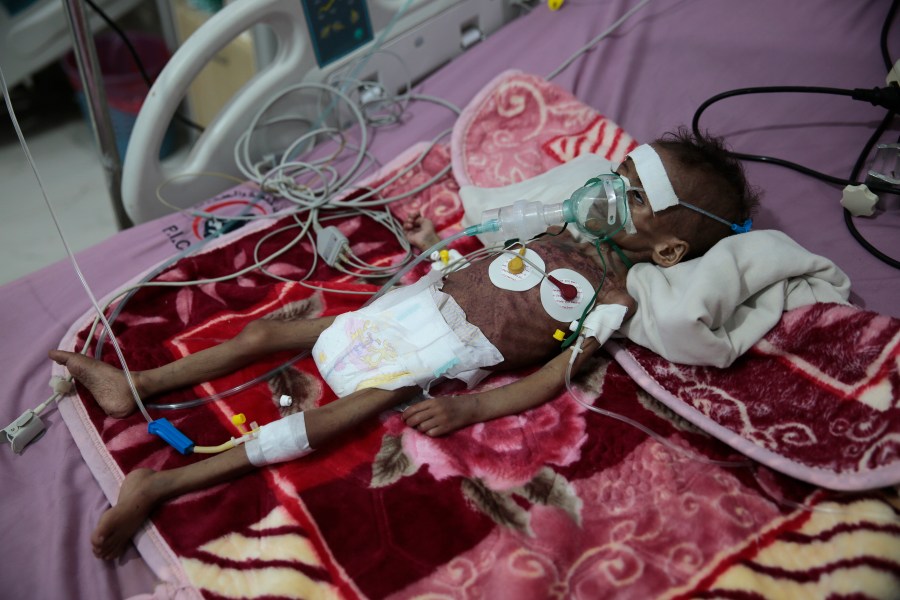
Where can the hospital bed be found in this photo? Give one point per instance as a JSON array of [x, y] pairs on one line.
[[742, 531]]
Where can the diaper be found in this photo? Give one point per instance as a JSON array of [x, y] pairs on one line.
[[410, 336]]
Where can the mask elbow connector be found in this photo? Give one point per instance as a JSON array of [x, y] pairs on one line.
[[521, 220], [597, 209]]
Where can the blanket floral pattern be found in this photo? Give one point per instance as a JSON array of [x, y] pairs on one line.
[[559, 502]]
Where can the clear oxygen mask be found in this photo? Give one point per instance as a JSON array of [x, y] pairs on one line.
[[598, 209]]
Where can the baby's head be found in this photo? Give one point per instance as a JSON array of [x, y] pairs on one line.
[[702, 174]]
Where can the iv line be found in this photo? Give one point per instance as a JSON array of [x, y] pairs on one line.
[[68, 249]]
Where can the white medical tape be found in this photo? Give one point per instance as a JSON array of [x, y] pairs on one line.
[[279, 441], [602, 322], [61, 386], [653, 176]]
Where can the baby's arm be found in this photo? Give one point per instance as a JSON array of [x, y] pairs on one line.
[[445, 414]]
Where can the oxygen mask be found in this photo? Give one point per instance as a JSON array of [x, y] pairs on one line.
[[598, 209]]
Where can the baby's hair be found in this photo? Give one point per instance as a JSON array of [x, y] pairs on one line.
[[716, 182]]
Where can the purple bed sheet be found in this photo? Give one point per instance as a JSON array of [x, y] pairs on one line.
[[649, 76]]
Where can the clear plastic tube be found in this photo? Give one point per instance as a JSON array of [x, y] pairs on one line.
[[778, 498], [889, 516], [659, 438], [231, 392], [424, 255], [265, 376], [77, 268], [195, 247]]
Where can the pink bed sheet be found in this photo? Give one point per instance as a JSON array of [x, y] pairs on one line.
[[649, 76]]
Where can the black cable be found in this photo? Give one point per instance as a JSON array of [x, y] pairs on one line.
[[885, 30], [884, 97], [137, 59], [860, 162], [873, 139]]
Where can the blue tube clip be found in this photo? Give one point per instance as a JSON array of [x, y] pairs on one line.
[[168, 432]]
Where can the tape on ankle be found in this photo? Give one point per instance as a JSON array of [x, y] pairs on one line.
[[279, 441]]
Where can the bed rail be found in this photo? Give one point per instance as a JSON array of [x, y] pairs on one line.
[[430, 34]]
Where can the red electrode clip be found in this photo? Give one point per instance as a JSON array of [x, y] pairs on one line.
[[568, 291]]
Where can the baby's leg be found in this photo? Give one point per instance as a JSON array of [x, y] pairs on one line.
[[325, 423], [144, 490], [258, 339]]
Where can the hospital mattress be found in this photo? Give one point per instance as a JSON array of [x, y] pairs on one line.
[[604, 510]]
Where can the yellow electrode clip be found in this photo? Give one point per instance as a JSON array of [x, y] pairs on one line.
[[445, 256], [238, 421], [516, 265], [555, 4], [559, 335]]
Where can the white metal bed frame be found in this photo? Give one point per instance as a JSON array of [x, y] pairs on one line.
[[429, 34]]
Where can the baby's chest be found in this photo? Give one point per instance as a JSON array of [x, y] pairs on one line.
[[523, 323]]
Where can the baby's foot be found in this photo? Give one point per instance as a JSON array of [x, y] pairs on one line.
[[119, 524], [106, 383]]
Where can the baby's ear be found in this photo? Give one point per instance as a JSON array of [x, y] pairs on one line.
[[670, 251]]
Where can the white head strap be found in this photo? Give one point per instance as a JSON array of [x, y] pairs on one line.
[[653, 176]]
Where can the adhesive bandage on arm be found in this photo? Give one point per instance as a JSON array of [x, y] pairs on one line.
[[603, 321], [279, 441]]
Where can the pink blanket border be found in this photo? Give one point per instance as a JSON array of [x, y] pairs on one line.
[[149, 542], [465, 120]]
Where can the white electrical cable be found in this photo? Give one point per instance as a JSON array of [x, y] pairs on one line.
[[284, 177], [596, 40], [656, 436], [68, 249], [291, 170]]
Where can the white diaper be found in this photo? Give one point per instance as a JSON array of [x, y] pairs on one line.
[[410, 336]]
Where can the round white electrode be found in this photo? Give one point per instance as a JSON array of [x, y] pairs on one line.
[[516, 282], [558, 307]]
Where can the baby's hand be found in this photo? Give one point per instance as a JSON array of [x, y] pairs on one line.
[[442, 415], [420, 231]]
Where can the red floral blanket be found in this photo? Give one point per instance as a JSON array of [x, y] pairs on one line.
[[556, 502]]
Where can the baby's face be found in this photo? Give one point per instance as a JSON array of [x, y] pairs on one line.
[[649, 226]]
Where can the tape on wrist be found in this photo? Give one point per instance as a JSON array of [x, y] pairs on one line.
[[603, 321]]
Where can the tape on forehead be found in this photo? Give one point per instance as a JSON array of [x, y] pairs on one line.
[[653, 176]]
